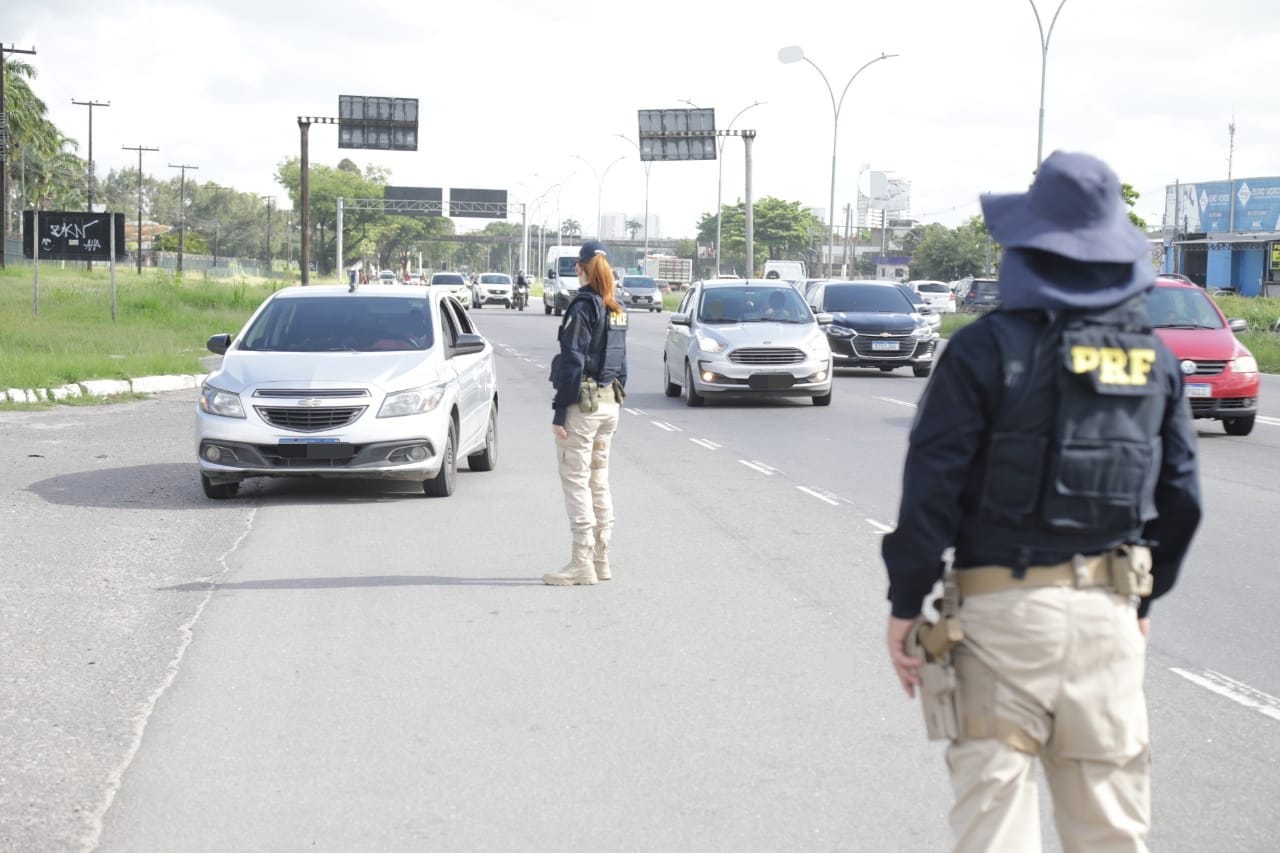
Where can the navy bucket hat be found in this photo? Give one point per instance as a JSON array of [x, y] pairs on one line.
[[589, 250], [1073, 210]]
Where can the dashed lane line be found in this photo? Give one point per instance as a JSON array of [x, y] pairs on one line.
[[824, 496], [881, 528], [895, 402], [1241, 694], [707, 443], [759, 466], [1268, 421], [635, 411], [663, 425]]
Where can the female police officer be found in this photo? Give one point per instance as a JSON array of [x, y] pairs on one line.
[[589, 375]]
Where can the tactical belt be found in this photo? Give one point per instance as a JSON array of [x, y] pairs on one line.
[[1080, 572]]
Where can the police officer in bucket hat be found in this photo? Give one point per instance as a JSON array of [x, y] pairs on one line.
[[1051, 483], [589, 375]]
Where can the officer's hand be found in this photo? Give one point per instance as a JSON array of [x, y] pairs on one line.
[[907, 667], [1144, 625], [559, 431]]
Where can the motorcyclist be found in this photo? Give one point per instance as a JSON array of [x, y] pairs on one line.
[[521, 297]]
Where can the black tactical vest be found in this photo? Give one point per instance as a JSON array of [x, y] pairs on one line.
[[606, 357], [1074, 450]]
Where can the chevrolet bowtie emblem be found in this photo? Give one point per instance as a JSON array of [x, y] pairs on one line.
[[310, 403]]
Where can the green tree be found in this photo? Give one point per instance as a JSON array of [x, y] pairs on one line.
[[633, 227], [781, 230], [360, 229], [1131, 196], [40, 162], [571, 228], [949, 253]]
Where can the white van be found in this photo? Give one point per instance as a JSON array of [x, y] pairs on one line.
[[792, 271], [562, 278]]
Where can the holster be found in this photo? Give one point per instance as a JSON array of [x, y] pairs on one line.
[[938, 690], [1130, 567], [619, 393], [589, 396]]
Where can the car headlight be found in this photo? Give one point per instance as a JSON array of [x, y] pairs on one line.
[[415, 401], [841, 331], [923, 331], [1244, 364], [215, 401], [625, 294], [706, 343], [817, 344]]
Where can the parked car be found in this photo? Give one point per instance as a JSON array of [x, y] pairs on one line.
[[641, 292], [414, 278], [734, 337], [327, 381], [936, 294], [932, 317], [1220, 375], [458, 286], [492, 288], [875, 324], [978, 295], [387, 277]]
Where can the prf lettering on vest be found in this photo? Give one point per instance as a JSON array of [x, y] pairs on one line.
[[1115, 366]]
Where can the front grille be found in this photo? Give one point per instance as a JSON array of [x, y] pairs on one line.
[[863, 347], [1210, 368], [304, 393], [766, 355], [299, 419]]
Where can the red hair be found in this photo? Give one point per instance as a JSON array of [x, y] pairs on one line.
[[599, 276]]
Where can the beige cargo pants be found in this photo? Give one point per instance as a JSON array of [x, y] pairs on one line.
[[584, 469], [1055, 671]]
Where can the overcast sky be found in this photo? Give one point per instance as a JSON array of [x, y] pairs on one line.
[[510, 90]]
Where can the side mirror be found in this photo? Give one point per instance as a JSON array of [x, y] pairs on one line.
[[924, 309], [467, 344], [220, 343], [1238, 325], [825, 319], [680, 318], [551, 274]]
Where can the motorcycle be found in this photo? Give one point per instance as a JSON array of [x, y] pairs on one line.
[[519, 296]]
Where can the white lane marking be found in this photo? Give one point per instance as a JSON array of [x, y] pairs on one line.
[[1241, 694], [1269, 421], [708, 444], [666, 426], [759, 466], [882, 528], [543, 366], [821, 495], [895, 402], [639, 411], [142, 715]]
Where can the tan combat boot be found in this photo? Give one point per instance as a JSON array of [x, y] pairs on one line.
[[600, 554], [579, 570]]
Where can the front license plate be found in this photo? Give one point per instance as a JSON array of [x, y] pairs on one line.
[[1199, 390], [310, 440], [771, 381], [884, 346]]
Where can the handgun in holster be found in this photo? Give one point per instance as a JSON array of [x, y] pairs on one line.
[[1130, 567], [933, 642]]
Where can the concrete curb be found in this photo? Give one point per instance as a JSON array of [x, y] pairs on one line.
[[104, 388]]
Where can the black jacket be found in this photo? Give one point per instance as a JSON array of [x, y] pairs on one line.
[[589, 348]]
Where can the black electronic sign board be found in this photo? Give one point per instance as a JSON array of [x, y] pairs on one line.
[[389, 124], [478, 204], [73, 235], [677, 134], [425, 201]]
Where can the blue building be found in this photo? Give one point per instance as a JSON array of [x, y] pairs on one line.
[[1225, 233]]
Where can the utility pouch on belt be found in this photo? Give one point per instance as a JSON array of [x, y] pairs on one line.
[[589, 396], [938, 697], [1130, 567], [619, 393]]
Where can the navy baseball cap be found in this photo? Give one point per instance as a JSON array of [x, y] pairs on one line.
[[589, 250]]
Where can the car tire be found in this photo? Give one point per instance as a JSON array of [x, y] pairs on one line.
[[441, 485], [671, 389], [479, 305], [487, 459], [546, 308], [558, 312], [1238, 426], [222, 491], [922, 372], [822, 399], [692, 398]]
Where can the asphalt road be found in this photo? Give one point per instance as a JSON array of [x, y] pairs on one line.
[[352, 666]]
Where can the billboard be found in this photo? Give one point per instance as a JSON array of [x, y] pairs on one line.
[[478, 204], [1241, 206], [389, 124], [73, 235], [420, 201], [677, 134]]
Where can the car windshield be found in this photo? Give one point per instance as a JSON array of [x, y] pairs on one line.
[[939, 287], [639, 282], [447, 278], [342, 323], [865, 298], [1182, 308], [495, 278], [567, 266], [986, 287], [916, 299], [750, 304]]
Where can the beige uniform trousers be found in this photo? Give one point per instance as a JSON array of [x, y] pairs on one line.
[[584, 468], [1065, 666]]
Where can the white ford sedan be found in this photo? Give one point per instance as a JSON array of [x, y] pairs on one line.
[[328, 381]]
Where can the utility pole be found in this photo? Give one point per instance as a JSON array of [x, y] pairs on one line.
[[268, 199], [217, 190], [182, 209], [1231, 153], [139, 149], [304, 249], [4, 153], [89, 188]]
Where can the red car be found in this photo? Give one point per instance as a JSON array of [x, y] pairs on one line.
[[1219, 373]]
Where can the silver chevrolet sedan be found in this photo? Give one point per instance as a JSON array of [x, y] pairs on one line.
[[732, 337]]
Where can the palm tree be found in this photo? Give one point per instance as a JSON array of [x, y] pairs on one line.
[[30, 131], [633, 226], [571, 228]]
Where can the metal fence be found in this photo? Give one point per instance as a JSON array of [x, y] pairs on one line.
[[201, 266]]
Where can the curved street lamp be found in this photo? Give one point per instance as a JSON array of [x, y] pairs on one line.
[[646, 164], [720, 179], [795, 53], [1044, 64], [599, 176]]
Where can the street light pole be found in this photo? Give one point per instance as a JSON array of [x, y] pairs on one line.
[[720, 176], [599, 176], [792, 54], [139, 149], [1044, 66], [268, 199], [646, 164], [182, 209]]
